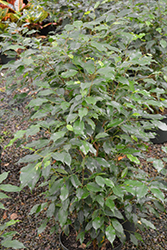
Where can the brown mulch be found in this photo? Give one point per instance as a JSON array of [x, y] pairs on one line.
[[20, 205]]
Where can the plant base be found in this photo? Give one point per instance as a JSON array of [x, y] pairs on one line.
[[70, 243]]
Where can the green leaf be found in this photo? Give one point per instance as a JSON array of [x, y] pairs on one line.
[[97, 222], [110, 233], [29, 158], [161, 125], [75, 181], [99, 198], [147, 223], [96, 4], [163, 43], [9, 188], [91, 100], [55, 186], [142, 191], [78, 127], [63, 157], [35, 209], [115, 123], [34, 129], [117, 225], [118, 191], [69, 127], [62, 215], [82, 112], [164, 149], [42, 226], [69, 73], [158, 193], [124, 173], [158, 164], [109, 182], [87, 147], [2, 206], [3, 176], [133, 158], [110, 203], [101, 135], [18, 135], [14, 244], [100, 181], [93, 187], [64, 193], [37, 102], [4, 196], [134, 239], [57, 135], [65, 105]]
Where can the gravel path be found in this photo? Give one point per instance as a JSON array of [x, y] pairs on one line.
[[20, 204]]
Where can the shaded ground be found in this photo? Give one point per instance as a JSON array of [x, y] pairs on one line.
[[20, 204]]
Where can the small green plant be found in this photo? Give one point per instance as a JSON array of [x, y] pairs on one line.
[[97, 87], [7, 237]]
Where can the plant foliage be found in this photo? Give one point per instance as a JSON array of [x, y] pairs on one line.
[[98, 86]]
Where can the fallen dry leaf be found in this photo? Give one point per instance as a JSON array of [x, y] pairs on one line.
[[4, 215], [83, 246], [13, 216]]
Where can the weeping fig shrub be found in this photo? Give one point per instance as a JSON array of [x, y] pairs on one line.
[[90, 108]]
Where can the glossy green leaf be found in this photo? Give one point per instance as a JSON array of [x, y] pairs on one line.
[[64, 193], [117, 225], [100, 181], [69, 73], [134, 239], [82, 112], [69, 127], [158, 193], [118, 191], [142, 191], [87, 147], [147, 223], [158, 164], [110, 233], [63, 157], [14, 244], [91, 100], [34, 129], [42, 226], [124, 173], [110, 203], [75, 181], [97, 222], [93, 187], [62, 215], [163, 43], [101, 135], [2, 206], [4, 196], [115, 123], [109, 182], [133, 158], [55, 186], [100, 199], [9, 188], [57, 135], [3, 176], [37, 102], [78, 127]]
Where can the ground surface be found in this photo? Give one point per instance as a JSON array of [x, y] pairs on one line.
[[20, 204]]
